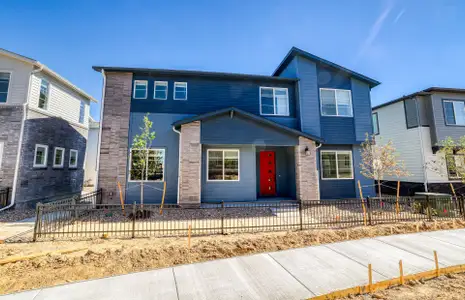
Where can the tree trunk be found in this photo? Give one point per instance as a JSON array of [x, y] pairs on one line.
[[379, 188]]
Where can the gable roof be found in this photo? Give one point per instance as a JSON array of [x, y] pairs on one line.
[[193, 73], [249, 116], [299, 52], [47, 70], [425, 92]]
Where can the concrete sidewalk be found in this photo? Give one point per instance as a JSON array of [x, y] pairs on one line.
[[291, 274]]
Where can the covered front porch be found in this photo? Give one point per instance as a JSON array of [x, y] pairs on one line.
[[231, 155]]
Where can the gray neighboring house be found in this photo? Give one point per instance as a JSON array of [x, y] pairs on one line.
[[416, 123], [43, 131]]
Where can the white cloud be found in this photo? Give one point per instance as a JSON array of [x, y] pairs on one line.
[[399, 15]]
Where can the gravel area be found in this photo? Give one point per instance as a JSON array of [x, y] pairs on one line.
[[14, 215]]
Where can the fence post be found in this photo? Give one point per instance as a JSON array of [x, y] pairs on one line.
[[134, 213], [300, 214], [429, 208], [222, 217], [37, 221], [462, 206], [369, 210]]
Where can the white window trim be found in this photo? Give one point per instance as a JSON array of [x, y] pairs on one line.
[[274, 104], [453, 110], [337, 165], [146, 88], [9, 85], [48, 94], [337, 108], [238, 165], [62, 157], [163, 83], [44, 165], [77, 157], [174, 90], [146, 169], [2, 147]]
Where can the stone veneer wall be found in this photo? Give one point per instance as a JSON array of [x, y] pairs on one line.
[[115, 131], [10, 129], [191, 158], [307, 183]]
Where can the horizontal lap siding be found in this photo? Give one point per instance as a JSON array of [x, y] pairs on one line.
[[338, 130], [361, 103], [207, 95], [19, 79], [242, 190]]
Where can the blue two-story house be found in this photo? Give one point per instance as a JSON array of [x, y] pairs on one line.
[[235, 137]]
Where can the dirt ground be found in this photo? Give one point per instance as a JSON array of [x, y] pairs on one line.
[[108, 257], [450, 287]]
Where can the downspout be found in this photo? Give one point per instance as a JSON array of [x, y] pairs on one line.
[[179, 162], [97, 167], [423, 160], [20, 142]]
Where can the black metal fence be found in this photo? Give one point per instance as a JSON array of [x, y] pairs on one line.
[[4, 196], [83, 218]]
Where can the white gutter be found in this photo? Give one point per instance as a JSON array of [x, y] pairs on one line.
[[20, 142], [179, 162], [100, 131]]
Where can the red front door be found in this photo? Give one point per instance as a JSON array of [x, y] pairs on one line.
[[267, 173]]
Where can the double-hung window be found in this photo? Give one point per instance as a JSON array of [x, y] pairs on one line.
[[140, 89], [374, 119], [44, 94], [160, 90], [59, 157], [73, 158], [336, 165], [223, 165], [40, 156], [454, 111], [180, 91], [336, 102], [82, 111], [147, 165], [4, 86], [274, 101]]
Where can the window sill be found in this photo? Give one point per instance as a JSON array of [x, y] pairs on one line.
[[57, 168], [454, 125], [337, 178], [271, 115], [337, 116], [223, 180], [40, 167]]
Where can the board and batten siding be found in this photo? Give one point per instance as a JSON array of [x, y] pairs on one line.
[[392, 126], [62, 102], [19, 79]]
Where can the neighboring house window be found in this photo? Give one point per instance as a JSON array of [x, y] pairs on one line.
[[73, 158], [454, 111], [59, 157], [40, 156], [455, 166], [180, 91], [336, 164], [274, 101], [2, 145], [140, 89], [374, 118], [160, 90], [336, 102], [82, 112], [44, 93], [223, 165], [4, 86], [147, 165]]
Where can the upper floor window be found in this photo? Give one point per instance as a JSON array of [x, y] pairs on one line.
[[40, 156], [336, 102], [44, 93], [274, 101], [374, 118], [180, 91], [4, 85], [161, 90], [454, 111], [140, 89], [147, 165], [82, 110], [59, 157], [73, 158], [336, 165]]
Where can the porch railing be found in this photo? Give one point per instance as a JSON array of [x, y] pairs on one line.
[[87, 219]]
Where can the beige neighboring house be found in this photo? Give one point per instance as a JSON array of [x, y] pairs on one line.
[[44, 124], [90, 171]]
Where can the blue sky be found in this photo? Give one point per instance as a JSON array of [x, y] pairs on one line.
[[407, 45]]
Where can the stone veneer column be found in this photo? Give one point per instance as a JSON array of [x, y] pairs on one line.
[[191, 159], [115, 132], [307, 183]]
